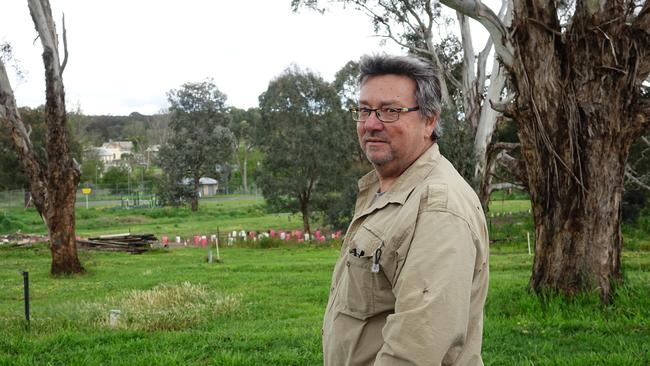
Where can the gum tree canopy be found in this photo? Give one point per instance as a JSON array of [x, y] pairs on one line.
[[200, 138], [577, 71], [304, 135], [53, 183]]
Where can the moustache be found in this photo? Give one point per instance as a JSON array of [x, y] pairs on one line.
[[376, 136]]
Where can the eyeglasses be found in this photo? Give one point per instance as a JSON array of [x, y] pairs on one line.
[[385, 114]]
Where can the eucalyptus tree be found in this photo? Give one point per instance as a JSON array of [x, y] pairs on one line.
[[577, 71], [200, 138], [242, 124], [304, 135], [52, 182]]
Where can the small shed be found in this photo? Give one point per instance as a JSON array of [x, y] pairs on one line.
[[208, 187]]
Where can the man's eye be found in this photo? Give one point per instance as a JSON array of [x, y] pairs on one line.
[[365, 110], [390, 110]]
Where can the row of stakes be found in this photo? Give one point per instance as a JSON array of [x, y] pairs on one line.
[[234, 236]]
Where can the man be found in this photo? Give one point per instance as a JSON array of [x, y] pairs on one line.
[[410, 285]]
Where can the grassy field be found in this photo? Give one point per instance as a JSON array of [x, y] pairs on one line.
[[225, 214], [265, 306]]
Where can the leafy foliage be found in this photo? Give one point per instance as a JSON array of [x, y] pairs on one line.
[[200, 138], [242, 125], [306, 141], [11, 174]]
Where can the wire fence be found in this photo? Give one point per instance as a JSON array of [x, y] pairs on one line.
[[125, 194]]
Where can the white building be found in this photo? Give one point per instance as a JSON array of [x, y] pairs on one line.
[[110, 153]]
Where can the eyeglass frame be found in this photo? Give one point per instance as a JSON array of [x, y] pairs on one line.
[[377, 111]]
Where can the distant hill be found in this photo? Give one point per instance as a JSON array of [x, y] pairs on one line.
[[136, 127]]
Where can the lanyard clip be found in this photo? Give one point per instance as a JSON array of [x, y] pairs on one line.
[[375, 259]]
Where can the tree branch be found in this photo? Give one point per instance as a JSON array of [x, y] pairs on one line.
[[507, 108], [505, 145], [645, 141], [513, 166], [411, 11], [504, 185], [635, 180], [484, 15], [485, 52], [65, 46]]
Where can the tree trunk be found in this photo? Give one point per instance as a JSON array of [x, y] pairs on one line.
[[577, 118], [27, 198], [195, 197], [579, 103], [53, 186], [484, 169], [304, 209], [578, 236], [61, 227], [62, 173], [244, 172]]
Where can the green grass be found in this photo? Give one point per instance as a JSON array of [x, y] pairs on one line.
[[226, 214], [265, 306], [501, 207], [272, 317]]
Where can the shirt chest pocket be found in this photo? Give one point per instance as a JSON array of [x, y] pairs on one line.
[[364, 289]]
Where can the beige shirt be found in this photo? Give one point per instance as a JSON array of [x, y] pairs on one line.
[[422, 303]]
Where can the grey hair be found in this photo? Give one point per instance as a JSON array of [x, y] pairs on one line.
[[425, 75]]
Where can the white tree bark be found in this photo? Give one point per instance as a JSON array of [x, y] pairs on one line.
[[469, 76], [488, 120], [484, 15]]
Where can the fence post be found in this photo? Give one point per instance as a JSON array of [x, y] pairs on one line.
[[26, 295]]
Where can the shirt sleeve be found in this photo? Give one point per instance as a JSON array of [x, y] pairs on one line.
[[432, 291]]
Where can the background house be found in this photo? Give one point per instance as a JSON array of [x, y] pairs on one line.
[[110, 153], [207, 186]]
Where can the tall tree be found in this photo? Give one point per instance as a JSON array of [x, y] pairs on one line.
[[53, 184], [200, 136], [242, 123], [579, 103], [304, 136]]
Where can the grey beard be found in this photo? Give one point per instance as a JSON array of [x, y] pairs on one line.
[[383, 161]]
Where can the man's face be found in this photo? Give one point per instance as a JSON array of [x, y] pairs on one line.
[[392, 147]]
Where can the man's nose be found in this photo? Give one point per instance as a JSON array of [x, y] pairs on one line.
[[373, 123]]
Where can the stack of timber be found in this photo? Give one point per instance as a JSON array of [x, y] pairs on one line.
[[132, 243]]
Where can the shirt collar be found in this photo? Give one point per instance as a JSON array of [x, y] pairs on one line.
[[404, 184]]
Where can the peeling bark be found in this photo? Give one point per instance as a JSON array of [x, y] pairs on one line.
[[54, 185], [575, 154], [578, 106]]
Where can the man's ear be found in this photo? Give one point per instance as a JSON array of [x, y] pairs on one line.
[[430, 124]]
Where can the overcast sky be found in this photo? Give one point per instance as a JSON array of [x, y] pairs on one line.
[[124, 55]]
